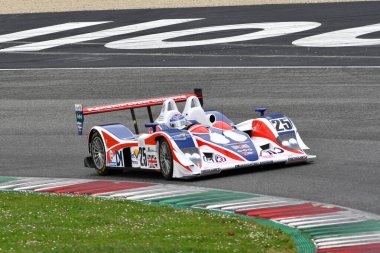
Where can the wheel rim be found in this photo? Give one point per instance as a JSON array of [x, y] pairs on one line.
[[165, 158], [98, 153]]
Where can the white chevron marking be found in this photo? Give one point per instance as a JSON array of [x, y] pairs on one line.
[[46, 30], [37, 46]]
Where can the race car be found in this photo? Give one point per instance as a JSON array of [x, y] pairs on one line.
[[192, 143]]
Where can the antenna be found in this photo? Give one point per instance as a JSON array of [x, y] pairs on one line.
[[222, 118]]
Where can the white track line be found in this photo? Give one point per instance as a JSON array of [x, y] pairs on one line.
[[201, 67], [161, 194], [330, 223], [338, 238], [128, 191], [273, 203], [340, 214], [64, 184], [270, 205], [40, 184], [146, 190], [191, 55], [46, 30], [169, 195], [321, 222], [156, 194], [356, 243], [235, 203], [20, 183], [47, 186]]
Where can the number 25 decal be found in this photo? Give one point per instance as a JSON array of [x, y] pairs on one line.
[[283, 124]]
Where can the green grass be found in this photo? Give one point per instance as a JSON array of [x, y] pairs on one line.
[[56, 223]]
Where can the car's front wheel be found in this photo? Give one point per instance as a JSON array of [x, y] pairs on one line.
[[165, 159], [98, 154]]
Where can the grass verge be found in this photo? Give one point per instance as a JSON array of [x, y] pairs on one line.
[[56, 223]]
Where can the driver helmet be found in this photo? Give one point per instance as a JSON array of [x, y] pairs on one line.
[[177, 121]]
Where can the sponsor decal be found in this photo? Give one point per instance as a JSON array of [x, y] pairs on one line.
[[116, 158], [180, 137], [245, 165], [283, 124], [293, 158], [215, 159], [80, 127], [219, 158], [79, 116], [152, 149], [208, 159], [251, 164], [211, 171], [240, 146], [143, 157], [271, 152], [135, 153], [246, 151], [140, 156], [134, 157], [119, 158], [152, 161], [141, 103], [176, 117]]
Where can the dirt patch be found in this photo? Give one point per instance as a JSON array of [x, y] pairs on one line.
[[34, 6]]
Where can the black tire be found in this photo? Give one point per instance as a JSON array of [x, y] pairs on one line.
[[165, 159], [98, 154]]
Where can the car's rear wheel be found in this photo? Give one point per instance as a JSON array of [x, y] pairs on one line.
[[166, 159], [98, 154]]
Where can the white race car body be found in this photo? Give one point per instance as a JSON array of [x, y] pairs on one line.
[[209, 144]]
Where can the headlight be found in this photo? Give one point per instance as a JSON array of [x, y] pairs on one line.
[[289, 141], [196, 156], [193, 155], [285, 144], [293, 141]]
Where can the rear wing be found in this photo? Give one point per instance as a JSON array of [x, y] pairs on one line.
[[81, 111]]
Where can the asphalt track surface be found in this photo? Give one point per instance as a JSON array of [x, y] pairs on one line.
[[276, 51], [335, 108]]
